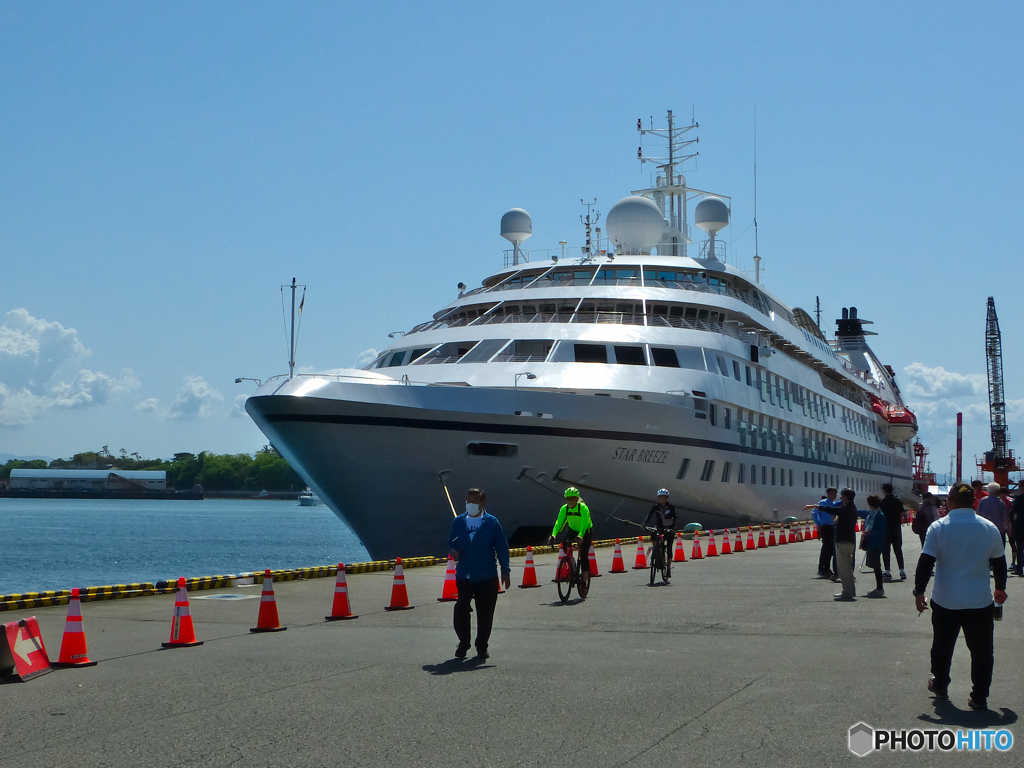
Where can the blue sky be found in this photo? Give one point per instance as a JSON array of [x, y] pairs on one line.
[[164, 168]]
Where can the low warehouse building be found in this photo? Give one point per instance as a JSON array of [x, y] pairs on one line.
[[88, 480]]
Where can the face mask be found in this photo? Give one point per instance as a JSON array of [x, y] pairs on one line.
[[473, 510]]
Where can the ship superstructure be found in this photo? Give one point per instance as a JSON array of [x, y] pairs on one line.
[[639, 361]]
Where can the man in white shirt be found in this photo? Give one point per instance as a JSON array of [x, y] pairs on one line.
[[960, 547]]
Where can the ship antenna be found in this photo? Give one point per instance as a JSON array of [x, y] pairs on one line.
[[817, 311], [757, 255], [669, 190], [588, 250]]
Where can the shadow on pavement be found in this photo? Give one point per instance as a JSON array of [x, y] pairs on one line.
[[947, 713], [456, 665]]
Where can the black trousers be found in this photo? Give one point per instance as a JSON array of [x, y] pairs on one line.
[[585, 542], [827, 558], [977, 625], [896, 545], [485, 594]]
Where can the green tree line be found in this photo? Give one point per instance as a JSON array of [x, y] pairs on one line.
[[214, 471]]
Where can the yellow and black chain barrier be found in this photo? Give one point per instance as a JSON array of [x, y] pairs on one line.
[[23, 600]]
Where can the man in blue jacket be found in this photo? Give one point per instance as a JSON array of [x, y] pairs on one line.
[[475, 541]]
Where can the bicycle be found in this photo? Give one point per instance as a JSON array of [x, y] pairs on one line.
[[661, 561], [570, 574]]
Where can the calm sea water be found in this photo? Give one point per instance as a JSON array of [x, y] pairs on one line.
[[65, 543]]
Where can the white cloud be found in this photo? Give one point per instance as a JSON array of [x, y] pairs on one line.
[[238, 407], [150, 405], [19, 407], [90, 388], [940, 383], [32, 351], [196, 399], [366, 357]]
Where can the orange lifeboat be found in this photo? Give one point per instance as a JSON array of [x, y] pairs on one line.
[[901, 421]]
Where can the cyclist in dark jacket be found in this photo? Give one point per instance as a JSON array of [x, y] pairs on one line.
[[662, 517]]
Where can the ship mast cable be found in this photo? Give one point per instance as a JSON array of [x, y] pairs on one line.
[[291, 332], [757, 253]]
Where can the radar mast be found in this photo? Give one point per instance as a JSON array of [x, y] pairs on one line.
[[670, 191]]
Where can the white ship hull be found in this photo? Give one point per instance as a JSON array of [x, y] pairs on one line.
[[381, 455]]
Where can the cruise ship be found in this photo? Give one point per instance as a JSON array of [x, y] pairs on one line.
[[635, 361]]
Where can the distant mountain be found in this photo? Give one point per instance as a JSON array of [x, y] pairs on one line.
[[5, 457]]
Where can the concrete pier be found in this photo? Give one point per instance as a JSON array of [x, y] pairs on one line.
[[744, 659]]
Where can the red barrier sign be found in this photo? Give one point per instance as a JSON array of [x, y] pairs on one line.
[[22, 651]]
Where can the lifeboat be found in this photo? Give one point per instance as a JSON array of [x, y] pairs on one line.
[[901, 421]]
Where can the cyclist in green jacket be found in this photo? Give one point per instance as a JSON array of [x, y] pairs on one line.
[[574, 517]]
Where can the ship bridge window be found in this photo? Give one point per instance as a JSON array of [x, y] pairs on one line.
[[525, 351], [484, 351], [664, 358], [397, 359], [451, 352], [630, 355], [691, 357], [617, 276], [590, 353]]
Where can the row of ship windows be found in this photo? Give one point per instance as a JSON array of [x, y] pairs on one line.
[[652, 278], [770, 434], [775, 390], [692, 314], [769, 476]]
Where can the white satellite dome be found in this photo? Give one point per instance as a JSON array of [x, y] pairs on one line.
[[516, 226], [711, 215], [635, 225]]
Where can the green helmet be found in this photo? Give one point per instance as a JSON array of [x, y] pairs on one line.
[[570, 492]]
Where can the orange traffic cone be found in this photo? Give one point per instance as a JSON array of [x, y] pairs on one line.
[[760, 539], [593, 563], [73, 652], [558, 565], [340, 610], [641, 556], [771, 537], [617, 565], [695, 553], [792, 535], [529, 572], [712, 547], [267, 621], [782, 534], [399, 595], [183, 634], [738, 546], [814, 532], [726, 547], [680, 553], [450, 592], [750, 538]]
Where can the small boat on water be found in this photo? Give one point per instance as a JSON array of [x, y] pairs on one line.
[[309, 499]]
